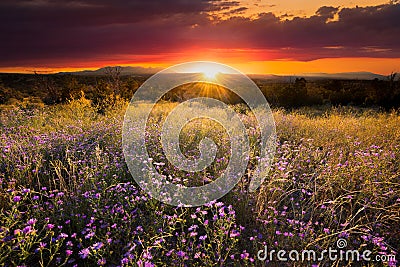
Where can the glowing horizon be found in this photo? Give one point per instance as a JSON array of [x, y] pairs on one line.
[[382, 66]]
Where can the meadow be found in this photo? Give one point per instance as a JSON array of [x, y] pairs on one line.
[[68, 199]]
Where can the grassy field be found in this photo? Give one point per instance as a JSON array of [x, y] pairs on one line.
[[67, 198]]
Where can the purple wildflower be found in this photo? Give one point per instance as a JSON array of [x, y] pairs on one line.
[[180, 254], [32, 221], [84, 253]]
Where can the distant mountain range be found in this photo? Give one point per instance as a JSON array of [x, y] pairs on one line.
[[322, 76], [123, 71], [309, 76]]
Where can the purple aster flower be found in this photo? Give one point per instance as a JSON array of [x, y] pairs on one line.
[[193, 227], [145, 264], [193, 233], [27, 230], [344, 234], [219, 204], [17, 199], [147, 255], [84, 253], [234, 233], [98, 245], [180, 254], [245, 255], [63, 235], [32, 221], [203, 237]]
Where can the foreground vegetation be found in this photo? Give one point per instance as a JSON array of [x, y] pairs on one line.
[[283, 92], [67, 198]]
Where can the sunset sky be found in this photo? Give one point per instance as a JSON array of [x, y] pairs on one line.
[[255, 36]]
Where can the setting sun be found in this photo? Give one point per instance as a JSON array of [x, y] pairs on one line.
[[209, 70], [210, 73]]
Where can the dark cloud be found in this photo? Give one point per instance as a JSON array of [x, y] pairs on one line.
[[310, 38], [236, 11], [40, 31], [327, 11]]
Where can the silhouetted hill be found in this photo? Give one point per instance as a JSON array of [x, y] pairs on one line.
[[322, 76], [124, 71]]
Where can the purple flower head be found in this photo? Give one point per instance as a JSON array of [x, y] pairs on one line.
[[234, 233], [84, 253], [193, 227], [63, 235], [203, 237], [26, 190], [31, 221], [98, 245], [17, 199], [28, 230], [140, 263], [180, 254], [245, 255], [147, 255], [344, 234]]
